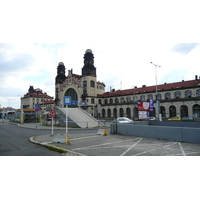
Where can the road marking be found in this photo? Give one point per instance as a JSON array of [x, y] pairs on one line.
[[98, 145], [131, 147], [165, 147], [79, 138], [143, 152], [183, 152], [179, 154]]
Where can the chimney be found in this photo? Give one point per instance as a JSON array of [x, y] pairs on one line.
[[196, 77]]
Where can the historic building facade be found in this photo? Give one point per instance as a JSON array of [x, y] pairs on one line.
[[36, 96], [180, 99], [83, 88]]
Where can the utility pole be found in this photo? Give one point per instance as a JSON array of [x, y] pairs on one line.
[[157, 102]]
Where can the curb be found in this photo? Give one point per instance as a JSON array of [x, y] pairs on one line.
[[48, 144]]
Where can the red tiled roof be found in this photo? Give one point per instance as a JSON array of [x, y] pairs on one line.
[[166, 86], [37, 94], [49, 102]]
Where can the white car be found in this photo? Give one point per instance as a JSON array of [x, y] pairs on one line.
[[123, 120]]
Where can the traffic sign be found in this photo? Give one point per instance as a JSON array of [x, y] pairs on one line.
[[52, 113], [37, 109], [67, 100], [37, 105]]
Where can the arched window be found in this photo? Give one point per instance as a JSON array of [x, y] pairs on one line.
[[115, 112], [150, 96], [84, 83], [162, 110], [111, 101], [103, 113], [92, 83], [92, 101], [72, 93], [196, 111], [188, 93], [142, 98], [128, 112], [109, 113], [198, 93], [167, 95], [106, 101], [172, 111], [121, 112], [184, 111], [128, 99], [116, 100], [159, 96], [177, 94], [122, 99], [99, 101]]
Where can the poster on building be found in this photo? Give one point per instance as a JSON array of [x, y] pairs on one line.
[[143, 106], [143, 114]]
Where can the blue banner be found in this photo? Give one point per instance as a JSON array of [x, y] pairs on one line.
[[151, 104]]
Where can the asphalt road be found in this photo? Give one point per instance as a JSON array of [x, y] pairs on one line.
[[14, 141]]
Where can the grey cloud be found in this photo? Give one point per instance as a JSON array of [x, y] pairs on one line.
[[184, 48]]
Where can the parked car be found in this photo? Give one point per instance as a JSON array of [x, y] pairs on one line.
[[187, 119], [123, 120], [152, 118], [174, 119]]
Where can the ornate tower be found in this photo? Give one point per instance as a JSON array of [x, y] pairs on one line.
[[60, 78], [88, 68]]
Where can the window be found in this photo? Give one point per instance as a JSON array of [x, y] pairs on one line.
[[167, 95], [188, 93], [198, 93], [128, 99], [116, 100], [111, 101], [142, 98], [92, 101], [159, 96], [122, 99], [177, 94], [150, 96], [92, 84], [84, 83], [99, 101]]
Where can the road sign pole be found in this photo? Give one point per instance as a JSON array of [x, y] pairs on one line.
[[36, 119], [67, 136], [52, 126]]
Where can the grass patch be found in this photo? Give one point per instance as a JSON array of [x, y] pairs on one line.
[[56, 149]]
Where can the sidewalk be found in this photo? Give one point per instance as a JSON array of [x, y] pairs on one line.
[[39, 126]]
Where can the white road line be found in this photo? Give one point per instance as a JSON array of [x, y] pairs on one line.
[[98, 145], [79, 138], [164, 147], [131, 147], [183, 152], [179, 154], [143, 152]]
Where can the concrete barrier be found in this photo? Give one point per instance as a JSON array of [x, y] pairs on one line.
[[179, 134]]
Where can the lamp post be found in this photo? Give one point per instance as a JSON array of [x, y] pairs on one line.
[[157, 113]]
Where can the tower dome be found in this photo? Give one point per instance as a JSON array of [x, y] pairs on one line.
[[88, 51], [60, 63]]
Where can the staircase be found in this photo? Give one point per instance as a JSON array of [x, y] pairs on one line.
[[77, 117]]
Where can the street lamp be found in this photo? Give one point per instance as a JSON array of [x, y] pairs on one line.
[[9, 102], [21, 106], [156, 90]]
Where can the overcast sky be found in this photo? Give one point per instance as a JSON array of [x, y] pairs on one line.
[[125, 36]]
